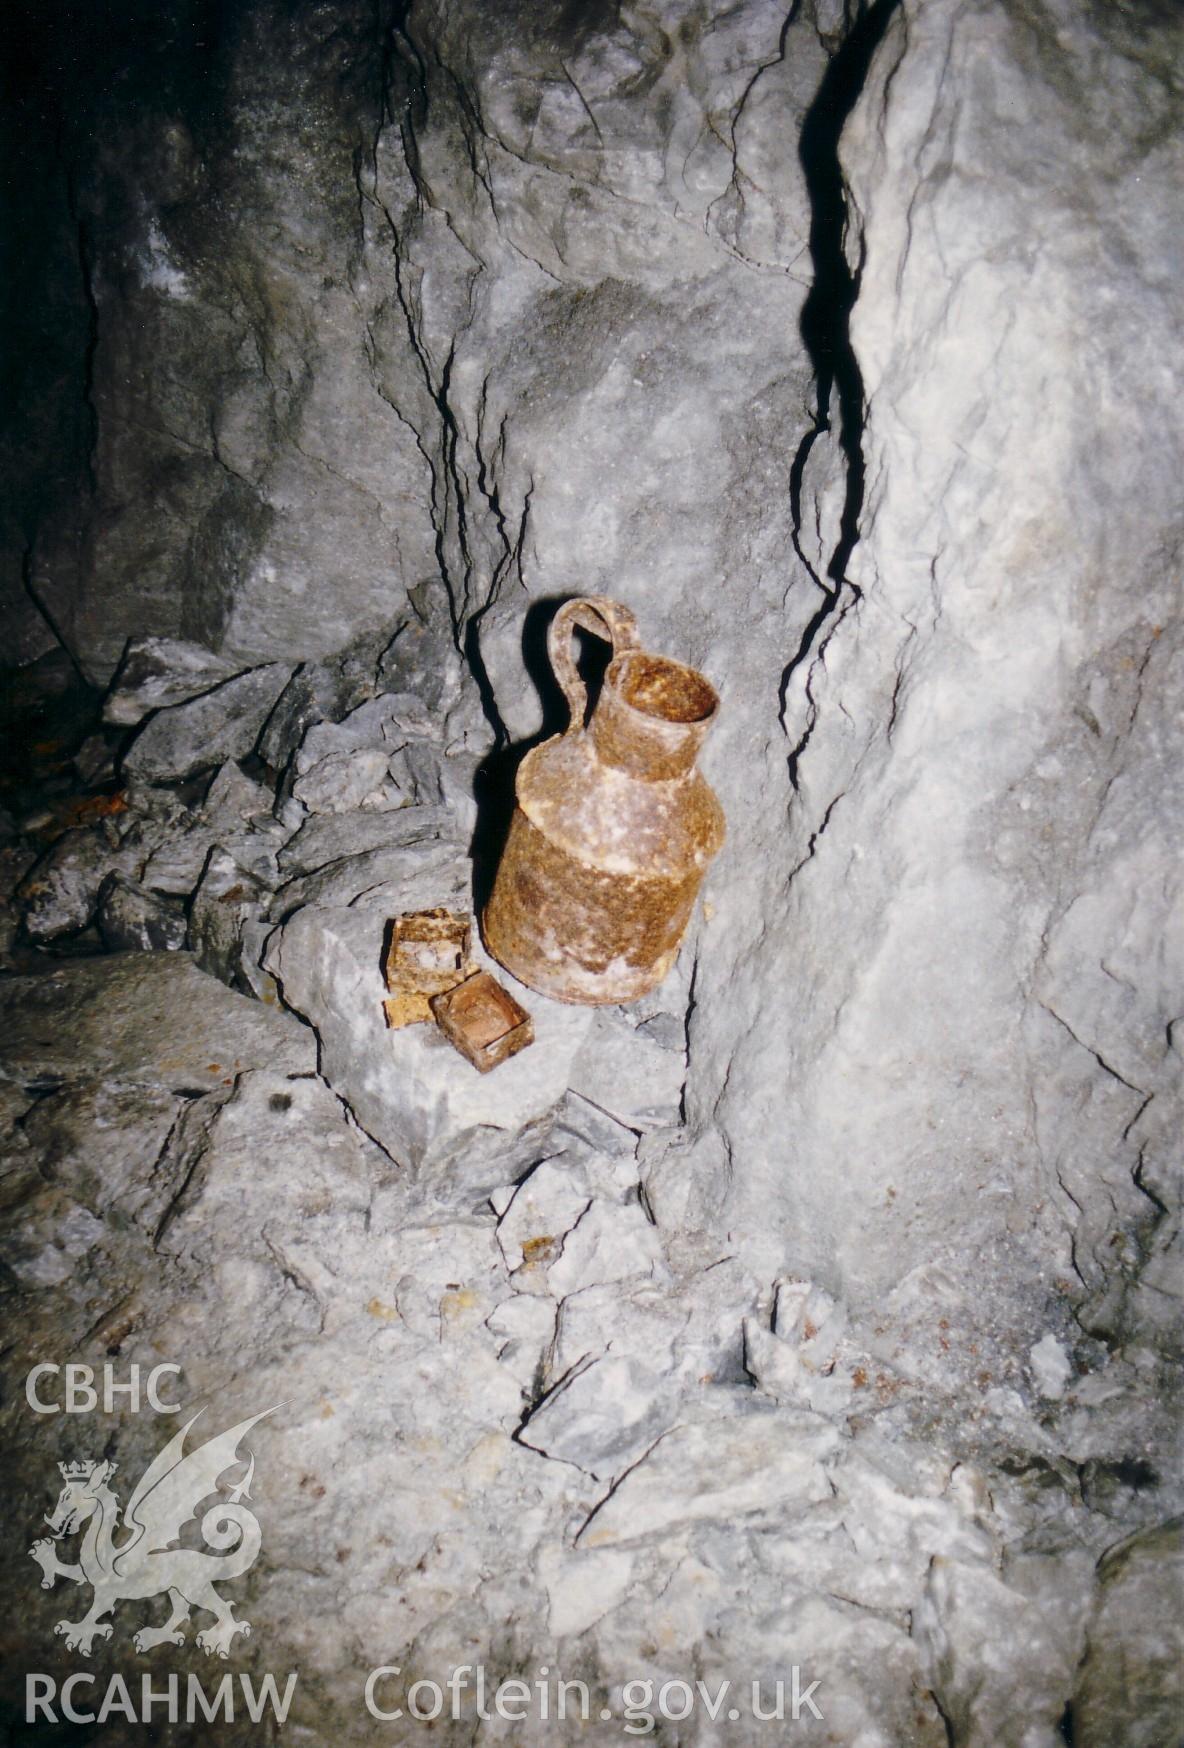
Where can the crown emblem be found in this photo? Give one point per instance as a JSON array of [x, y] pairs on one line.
[[78, 1471]]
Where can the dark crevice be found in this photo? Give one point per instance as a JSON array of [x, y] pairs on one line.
[[825, 328], [1104, 1066], [405, 74], [947, 1721], [495, 781], [898, 687], [472, 640], [42, 608], [87, 270], [548, 1392], [1141, 1184], [617, 1483], [471, 650], [812, 846], [692, 1004], [826, 314], [405, 92], [1146, 1101]]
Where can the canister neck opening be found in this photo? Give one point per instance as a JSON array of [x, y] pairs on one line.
[[652, 715]]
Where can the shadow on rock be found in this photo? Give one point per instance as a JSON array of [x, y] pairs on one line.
[[495, 779]]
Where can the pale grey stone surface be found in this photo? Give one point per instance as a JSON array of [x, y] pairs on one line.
[[61, 890], [220, 724], [252, 488], [156, 672], [226, 928], [132, 919], [720, 1468], [625, 1071], [409, 1089], [146, 1017], [418, 862], [1036, 1610], [174, 842]]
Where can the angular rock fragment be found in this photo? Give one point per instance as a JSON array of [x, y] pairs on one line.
[[1051, 1367], [417, 772], [217, 725], [720, 1469], [626, 1072], [45, 1234], [415, 864], [339, 782], [235, 816], [312, 694], [807, 1315], [176, 866], [689, 1333], [613, 1241], [603, 1416], [326, 691], [61, 891], [233, 799], [153, 1018], [801, 1359], [534, 1218], [459, 778], [404, 1087], [341, 765], [227, 927], [158, 672], [523, 1326], [133, 919], [324, 839], [588, 1127]]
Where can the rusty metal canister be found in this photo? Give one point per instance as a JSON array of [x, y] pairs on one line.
[[613, 825]]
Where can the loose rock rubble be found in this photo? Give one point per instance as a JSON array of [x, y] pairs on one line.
[[600, 1437]]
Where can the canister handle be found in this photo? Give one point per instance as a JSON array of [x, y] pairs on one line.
[[603, 618]]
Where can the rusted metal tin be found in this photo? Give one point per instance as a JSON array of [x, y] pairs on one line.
[[428, 951], [613, 827], [483, 1021]]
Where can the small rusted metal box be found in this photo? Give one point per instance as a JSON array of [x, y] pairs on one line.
[[429, 951], [483, 1021]]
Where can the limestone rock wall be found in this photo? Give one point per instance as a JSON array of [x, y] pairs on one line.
[[242, 482], [993, 1071]]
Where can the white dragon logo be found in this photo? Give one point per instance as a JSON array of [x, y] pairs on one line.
[[148, 1562]]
